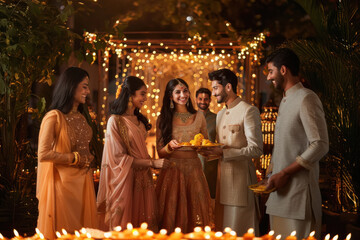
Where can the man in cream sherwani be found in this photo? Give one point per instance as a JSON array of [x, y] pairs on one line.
[[300, 141], [238, 127]]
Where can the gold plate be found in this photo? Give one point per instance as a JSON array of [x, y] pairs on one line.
[[260, 189]]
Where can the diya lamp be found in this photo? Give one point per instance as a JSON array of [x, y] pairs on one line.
[[208, 233], [17, 235], [143, 228], [269, 236], [88, 237], [1, 236], [249, 235], [38, 235], [117, 233], [229, 234], [177, 234], [77, 235], [278, 237], [162, 234], [311, 236], [128, 232], [218, 235], [348, 237], [327, 237], [292, 236], [335, 238], [149, 235]]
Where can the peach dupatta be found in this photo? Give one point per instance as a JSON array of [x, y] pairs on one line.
[[66, 194], [120, 192]]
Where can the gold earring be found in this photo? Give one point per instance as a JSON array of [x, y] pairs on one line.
[[130, 104], [171, 104]]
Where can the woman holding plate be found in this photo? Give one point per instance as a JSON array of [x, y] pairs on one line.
[[182, 190]]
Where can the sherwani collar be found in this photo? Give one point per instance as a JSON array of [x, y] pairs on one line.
[[234, 103], [293, 89]]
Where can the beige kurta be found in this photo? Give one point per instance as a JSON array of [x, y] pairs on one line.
[[66, 193], [239, 129], [301, 136]]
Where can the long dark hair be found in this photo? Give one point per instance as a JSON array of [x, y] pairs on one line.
[[129, 87], [65, 87], [166, 114]]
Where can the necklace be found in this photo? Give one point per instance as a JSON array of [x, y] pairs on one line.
[[183, 116]]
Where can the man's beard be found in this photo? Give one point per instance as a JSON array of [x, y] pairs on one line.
[[223, 96], [203, 106], [279, 80]]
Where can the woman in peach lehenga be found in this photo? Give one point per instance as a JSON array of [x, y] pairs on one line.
[[65, 187], [182, 190], [126, 190]]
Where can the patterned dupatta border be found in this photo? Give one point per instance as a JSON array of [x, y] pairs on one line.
[[124, 133]]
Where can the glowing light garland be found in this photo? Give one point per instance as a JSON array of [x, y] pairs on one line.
[[158, 61]]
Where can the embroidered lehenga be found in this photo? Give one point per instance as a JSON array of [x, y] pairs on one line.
[[126, 190], [182, 190], [66, 193]]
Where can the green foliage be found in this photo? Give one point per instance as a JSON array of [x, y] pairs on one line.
[[331, 65], [33, 38]]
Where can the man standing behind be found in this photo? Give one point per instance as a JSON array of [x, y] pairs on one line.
[[203, 99], [300, 141], [238, 127]]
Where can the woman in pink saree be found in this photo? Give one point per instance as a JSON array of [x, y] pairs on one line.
[[182, 190], [126, 189]]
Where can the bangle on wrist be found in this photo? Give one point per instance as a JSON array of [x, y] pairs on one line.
[[167, 149], [76, 159]]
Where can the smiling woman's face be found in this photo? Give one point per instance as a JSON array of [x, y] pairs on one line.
[[139, 97], [82, 91], [180, 95]]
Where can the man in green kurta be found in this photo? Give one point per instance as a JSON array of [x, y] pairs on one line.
[[203, 99]]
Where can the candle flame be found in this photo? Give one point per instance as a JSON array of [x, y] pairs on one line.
[[218, 234], [77, 234], [144, 225], [83, 231], [178, 230], [136, 233], [312, 234], [163, 231], [118, 228], [293, 233], [207, 229], [41, 236], [88, 235], [58, 234], [348, 237], [1, 236], [37, 230], [129, 226], [150, 233], [197, 229], [233, 233], [336, 237], [107, 234], [251, 231], [191, 235], [207, 236], [16, 233], [227, 230], [64, 231], [271, 233], [278, 237], [327, 237]]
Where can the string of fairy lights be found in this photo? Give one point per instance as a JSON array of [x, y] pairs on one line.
[[158, 61]]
